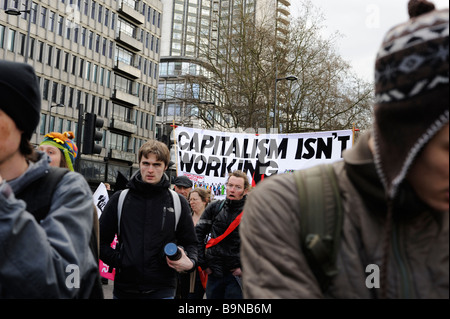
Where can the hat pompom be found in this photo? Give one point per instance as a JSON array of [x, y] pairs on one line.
[[419, 7], [69, 135]]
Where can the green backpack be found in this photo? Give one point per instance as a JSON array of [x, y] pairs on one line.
[[321, 218]]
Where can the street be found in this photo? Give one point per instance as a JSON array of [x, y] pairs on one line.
[[108, 290]]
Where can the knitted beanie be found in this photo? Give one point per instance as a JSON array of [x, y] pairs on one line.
[[411, 91], [65, 144], [20, 96]]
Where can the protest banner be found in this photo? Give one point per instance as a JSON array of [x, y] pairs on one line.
[[101, 197], [206, 156]]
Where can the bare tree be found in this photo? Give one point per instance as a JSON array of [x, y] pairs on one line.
[[245, 60]]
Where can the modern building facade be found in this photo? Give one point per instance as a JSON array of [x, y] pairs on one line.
[[97, 56], [187, 26]]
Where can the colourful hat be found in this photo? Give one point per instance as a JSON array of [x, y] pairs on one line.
[[65, 144]]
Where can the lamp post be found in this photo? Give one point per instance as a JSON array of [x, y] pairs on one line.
[[288, 78], [17, 12]]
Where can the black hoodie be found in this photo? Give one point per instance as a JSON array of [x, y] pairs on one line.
[[147, 225]]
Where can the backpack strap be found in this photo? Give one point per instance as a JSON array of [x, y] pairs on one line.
[[176, 206], [122, 196], [321, 220], [38, 194], [175, 199]]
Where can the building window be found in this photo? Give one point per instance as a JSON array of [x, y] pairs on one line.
[[11, 40], [49, 55], [43, 16], [51, 21], [60, 25], [45, 89], [2, 35]]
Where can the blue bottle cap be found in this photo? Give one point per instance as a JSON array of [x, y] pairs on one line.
[[170, 249]]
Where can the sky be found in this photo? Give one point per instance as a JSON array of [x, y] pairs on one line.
[[362, 25]]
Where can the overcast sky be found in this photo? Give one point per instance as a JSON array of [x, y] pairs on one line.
[[363, 24]]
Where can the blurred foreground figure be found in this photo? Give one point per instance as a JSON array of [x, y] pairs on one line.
[[393, 190]]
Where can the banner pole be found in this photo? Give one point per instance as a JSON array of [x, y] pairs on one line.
[[175, 143], [354, 129]]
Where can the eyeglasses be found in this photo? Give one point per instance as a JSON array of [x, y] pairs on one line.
[[237, 187]]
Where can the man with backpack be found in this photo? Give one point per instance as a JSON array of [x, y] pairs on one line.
[[375, 225], [219, 240], [48, 246], [146, 217]]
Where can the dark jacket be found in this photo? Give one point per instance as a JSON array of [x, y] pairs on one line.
[[224, 256], [147, 225]]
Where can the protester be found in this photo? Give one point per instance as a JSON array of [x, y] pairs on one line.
[[46, 219], [394, 187], [60, 148], [219, 249], [191, 286], [183, 185], [147, 224]]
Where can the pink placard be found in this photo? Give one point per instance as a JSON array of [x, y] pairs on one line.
[[104, 268]]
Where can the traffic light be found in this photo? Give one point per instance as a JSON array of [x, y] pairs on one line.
[[91, 135]]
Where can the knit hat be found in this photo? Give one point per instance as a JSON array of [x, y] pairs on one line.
[[65, 144], [411, 91], [20, 95]]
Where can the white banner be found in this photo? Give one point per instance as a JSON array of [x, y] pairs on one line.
[[100, 198], [207, 156]]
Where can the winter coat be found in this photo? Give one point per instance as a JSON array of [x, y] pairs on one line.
[[147, 225], [274, 265], [224, 256], [36, 259]]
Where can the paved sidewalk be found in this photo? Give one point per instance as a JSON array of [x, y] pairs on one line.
[[108, 290]]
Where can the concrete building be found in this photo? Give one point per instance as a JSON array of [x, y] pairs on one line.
[[99, 56], [187, 26]]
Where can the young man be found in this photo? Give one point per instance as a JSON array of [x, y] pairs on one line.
[[147, 224], [45, 246], [222, 261], [394, 187]]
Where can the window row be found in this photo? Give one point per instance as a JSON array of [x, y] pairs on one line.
[[55, 57], [70, 28], [59, 93], [110, 140]]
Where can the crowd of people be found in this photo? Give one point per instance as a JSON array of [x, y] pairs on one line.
[[390, 210]]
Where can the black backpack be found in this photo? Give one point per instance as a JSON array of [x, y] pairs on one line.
[[321, 219], [38, 196]]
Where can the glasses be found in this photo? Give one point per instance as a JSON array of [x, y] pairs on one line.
[[237, 187]]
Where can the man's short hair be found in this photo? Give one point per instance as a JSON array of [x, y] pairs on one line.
[[240, 174], [157, 148]]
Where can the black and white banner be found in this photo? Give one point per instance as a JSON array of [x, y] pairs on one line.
[[207, 156]]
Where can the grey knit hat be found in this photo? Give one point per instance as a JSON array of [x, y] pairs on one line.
[[411, 91], [20, 96]]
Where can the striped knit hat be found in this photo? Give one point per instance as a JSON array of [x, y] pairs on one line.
[[65, 144], [411, 91]]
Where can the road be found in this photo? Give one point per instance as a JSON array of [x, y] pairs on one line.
[[108, 290]]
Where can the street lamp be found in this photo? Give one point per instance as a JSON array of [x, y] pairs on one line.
[[17, 12], [287, 78], [50, 114]]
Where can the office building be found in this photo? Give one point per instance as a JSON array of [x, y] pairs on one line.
[[189, 25], [99, 56]]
